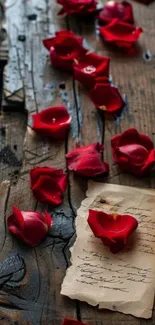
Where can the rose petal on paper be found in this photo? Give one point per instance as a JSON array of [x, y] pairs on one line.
[[114, 230]]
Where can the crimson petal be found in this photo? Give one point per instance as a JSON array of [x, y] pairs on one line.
[[86, 161], [52, 122], [150, 162], [48, 184], [78, 7], [35, 226], [106, 97], [113, 230], [112, 9], [133, 151], [90, 67], [120, 33], [64, 49]]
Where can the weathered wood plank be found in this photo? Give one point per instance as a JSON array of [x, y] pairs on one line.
[[3, 37], [38, 299], [3, 46], [14, 71], [12, 132]]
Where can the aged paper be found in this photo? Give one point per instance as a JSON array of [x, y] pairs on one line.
[[125, 281]]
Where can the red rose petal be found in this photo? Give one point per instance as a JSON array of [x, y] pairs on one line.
[[129, 136], [64, 49], [120, 33], [47, 192], [106, 97], [146, 141], [112, 9], [52, 122], [150, 162], [19, 217], [78, 7], [48, 184], [34, 225], [90, 67], [86, 161], [114, 230], [133, 152]]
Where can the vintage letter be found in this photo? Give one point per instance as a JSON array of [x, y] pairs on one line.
[[124, 281]]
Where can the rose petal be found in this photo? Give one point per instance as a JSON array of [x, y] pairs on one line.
[[64, 48], [48, 184], [105, 95], [19, 217], [150, 162], [78, 7], [129, 136], [133, 151], [90, 67], [120, 33], [47, 171], [53, 122], [112, 9], [34, 227], [146, 141], [113, 230], [86, 161]]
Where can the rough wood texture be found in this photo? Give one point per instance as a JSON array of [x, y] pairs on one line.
[[3, 46], [31, 83], [3, 38]]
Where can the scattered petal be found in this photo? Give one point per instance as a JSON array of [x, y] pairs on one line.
[[30, 227], [52, 122], [120, 33], [64, 48], [90, 67], [78, 7], [106, 97], [133, 152], [48, 184], [112, 9], [113, 229], [86, 161]]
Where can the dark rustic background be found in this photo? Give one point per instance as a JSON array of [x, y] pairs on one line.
[[30, 279]]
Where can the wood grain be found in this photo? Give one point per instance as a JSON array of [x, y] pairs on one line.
[[31, 83]]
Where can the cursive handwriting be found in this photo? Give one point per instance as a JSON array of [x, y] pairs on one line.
[[105, 272]]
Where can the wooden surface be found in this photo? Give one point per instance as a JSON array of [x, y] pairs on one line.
[[31, 278]]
